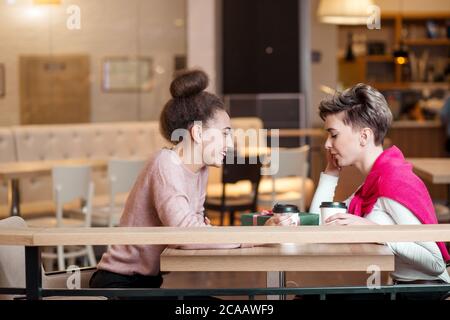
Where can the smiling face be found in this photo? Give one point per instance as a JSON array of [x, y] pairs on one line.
[[216, 139], [343, 141]]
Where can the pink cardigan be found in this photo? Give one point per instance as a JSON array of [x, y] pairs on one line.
[[166, 193], [392, 177]]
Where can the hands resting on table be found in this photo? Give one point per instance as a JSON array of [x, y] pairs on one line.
[[340, 219]]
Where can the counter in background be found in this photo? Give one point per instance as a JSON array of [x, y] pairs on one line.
[[418, 138]]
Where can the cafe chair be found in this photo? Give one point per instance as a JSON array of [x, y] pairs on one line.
[[122, 175], [70, 183], [289, 183], [237, 171], [12, 269]]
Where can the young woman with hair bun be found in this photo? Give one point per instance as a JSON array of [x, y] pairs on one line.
[[171, 189]]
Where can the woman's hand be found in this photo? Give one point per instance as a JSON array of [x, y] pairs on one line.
[[281, 221], [347, 219], [207, 221], [333, 167]]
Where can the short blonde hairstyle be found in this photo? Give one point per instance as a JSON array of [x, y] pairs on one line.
[[363, 106]]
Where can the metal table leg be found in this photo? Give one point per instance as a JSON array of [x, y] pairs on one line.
[[14, 197], [276, 279], [33, 273]]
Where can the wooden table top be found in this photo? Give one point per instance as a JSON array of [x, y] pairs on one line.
[[16, 170], [435, 170], [262, 234], [285, 257]]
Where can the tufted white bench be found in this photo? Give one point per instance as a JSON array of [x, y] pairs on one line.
[[56, 142]]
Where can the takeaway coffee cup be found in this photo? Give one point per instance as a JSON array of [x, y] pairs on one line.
[[289, 210], [327, 209]]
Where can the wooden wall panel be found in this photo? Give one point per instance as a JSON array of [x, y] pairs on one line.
[[54, 89]]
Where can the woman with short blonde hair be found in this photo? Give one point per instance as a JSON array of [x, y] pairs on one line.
[[357, 120]]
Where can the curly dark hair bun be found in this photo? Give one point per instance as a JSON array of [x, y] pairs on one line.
[[188, 83], [190, 103]]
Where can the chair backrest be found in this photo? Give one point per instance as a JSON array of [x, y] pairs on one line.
[[246, 123], [72, 183], [12, 259], [12, 265], [123, 173], [291, 162], [246, 134], [241, 168]]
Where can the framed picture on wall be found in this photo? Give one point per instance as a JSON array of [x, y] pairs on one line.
[[180, 62], [2, 80], [127, 74]]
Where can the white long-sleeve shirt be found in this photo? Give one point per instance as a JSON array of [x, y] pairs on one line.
[[413, 260]]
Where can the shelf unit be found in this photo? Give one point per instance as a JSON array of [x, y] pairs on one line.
[[381, 70], [427, 42]]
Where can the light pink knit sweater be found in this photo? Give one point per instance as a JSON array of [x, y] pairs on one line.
[[166, 193]]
